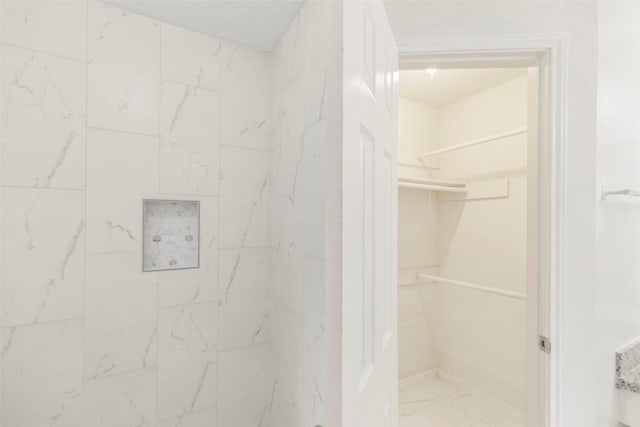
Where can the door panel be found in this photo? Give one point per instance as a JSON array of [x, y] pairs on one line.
[[369, 218]]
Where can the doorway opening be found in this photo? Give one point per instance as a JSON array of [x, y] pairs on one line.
[[473, 217]]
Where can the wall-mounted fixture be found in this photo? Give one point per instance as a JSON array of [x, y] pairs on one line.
[[171, 234], [606, 192]]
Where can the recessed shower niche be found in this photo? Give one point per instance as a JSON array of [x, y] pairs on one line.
[[170, 234]]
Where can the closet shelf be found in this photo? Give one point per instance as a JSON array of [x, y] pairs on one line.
[[477, 287], [433, 185], [423, 166], [473, 142]]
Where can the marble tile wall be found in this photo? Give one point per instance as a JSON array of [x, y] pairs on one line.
[[100, 109], [306, 63]]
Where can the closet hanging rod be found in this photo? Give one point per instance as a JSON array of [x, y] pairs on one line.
[[475, 142], [510, 294], [431, 187], [606, 192]]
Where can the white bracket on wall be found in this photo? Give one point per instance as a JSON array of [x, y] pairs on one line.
[[606, 192], [495, 189]]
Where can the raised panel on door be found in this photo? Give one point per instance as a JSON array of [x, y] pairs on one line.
[[369, 211], [367, 188]]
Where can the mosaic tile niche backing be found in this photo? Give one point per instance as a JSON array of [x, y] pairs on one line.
[[171, 234]]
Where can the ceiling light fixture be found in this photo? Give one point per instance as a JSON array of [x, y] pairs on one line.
[[431, 71]]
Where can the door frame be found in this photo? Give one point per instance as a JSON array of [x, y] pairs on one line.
[[548, 52]]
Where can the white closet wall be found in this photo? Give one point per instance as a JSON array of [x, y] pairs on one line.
[[478, 337], [417, 237], [481, 335], [417, 222]]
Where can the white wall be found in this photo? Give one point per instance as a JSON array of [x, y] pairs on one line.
[[415, 130], [618, 244], [98, 114], [416, 216], [578, 21], [417, 241], [417, 322], [480, 336]]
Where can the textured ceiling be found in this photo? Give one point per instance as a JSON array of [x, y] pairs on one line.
[[451, 85], [254, 23]]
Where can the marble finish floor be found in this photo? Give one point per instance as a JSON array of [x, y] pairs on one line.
[[439, 400]]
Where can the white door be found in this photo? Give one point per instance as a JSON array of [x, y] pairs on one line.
[[369, 203]]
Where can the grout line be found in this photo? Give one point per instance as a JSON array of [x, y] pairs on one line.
[[114, 253], [189, 304], [45, 322], [158, 332], [2, 133], [43, 52], [314, 257], [245, 347], [123, 373], [237, 248], [121, 131], [24, 187], [163, 80], [262, 150], [86, 208], [217, 306]]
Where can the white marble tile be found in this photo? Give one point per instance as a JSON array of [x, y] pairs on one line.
[[127, 400], [203, 418], [246, 102], [123, 80], [244, 300], [42, 375], [120, 316], [244, 198], [298, 163], [316, 96], [445, 402], [290, 138], [171, 234], [289, 256], [274, 211], [313, 196], [462, 408], [420, 416], [315, 379], [122, 169], [190, 58], [190, 136], [57, 27], [289, 54], [290, 397], [179, 287], [43, 255], [43, 116], [319, 63], [187, 359], [245, 387], [500, 420], [314, 297]]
